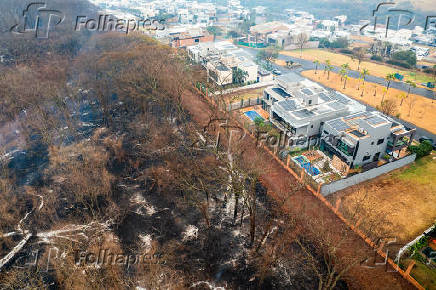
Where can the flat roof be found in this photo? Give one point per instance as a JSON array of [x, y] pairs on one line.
[[281, 92], [290, 78]]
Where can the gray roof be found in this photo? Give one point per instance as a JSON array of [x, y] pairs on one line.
[[290, 78], [307, 91], [338, 125], [340, 98], [281, 92], [288, 105], [374, 120], [222, 68], [304, 113]]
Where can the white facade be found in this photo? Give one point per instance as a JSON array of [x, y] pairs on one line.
[[299, 107]]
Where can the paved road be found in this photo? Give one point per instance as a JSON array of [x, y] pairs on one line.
[[309, 65]]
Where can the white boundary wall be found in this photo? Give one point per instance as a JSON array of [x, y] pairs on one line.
[[370, 174]]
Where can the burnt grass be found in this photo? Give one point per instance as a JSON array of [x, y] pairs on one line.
[[220, 254], [217, 255]]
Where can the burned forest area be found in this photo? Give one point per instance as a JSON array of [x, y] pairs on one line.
[[100, 155]]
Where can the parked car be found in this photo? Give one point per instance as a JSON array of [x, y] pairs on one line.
[[277, 72]]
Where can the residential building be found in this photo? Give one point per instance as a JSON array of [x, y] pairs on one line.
[[186, 39], [299, 107], [262, 31], [341, 19], [221, 59], [328, 25], [364, 138]]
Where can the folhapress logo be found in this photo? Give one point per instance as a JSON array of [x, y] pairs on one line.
[[38, 19]]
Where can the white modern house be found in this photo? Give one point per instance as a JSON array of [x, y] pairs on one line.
[[221, 59], [300, 107], [364, 137]]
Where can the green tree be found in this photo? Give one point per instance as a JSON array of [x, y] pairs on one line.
[[407, 56], [422, 149], [239, 76], [215, 31]]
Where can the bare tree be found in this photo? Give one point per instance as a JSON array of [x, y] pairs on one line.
[[411, 102], [389, 107], [301, 41], [359, 54]]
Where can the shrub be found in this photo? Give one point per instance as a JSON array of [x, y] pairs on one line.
[[376, 58], [326, 167], [430, 70], [422, 149], [399, 63], [346, 51], [406, 56]]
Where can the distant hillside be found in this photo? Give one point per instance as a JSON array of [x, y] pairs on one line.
[[355, 10], [424, 5]]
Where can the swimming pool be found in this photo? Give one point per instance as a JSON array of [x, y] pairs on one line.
[[253, 115], [304, 163]]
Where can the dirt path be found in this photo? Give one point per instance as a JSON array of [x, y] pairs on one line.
[[278, 181]]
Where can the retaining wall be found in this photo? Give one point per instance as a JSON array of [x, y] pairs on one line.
[[330, 188], [245, 103]]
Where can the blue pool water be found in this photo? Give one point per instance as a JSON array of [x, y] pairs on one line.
[[312, 170], [253, 115]]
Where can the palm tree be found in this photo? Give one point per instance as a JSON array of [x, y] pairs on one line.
[[402, 96], [345, 66], [342, 73], [411, 84], [328, 68], [343, 70], [362, 76], [389, 78], [345, 80], [316, 62], [364, 73]]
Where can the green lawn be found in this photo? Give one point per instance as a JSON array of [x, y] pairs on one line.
[[423, 171]]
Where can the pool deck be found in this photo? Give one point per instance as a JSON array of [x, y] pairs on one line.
[[264, 114]]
